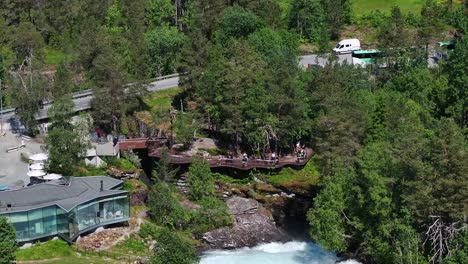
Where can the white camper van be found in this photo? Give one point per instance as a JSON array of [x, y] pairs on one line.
[[347, 46]]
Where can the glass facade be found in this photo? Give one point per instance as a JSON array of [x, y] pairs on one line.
[[53, 220]]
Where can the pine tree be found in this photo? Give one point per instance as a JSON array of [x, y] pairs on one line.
[[200, 179]]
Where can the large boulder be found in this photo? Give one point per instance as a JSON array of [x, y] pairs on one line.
[[252, 225]]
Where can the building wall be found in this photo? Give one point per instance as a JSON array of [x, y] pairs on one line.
[[34, 224], [52, 220]]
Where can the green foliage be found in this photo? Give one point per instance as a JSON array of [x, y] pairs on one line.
[[238, 22], [114, 18], [164, 171], [149, 230], [47, 250], [459, 247], [326, 217], [66, 142], [200, 179], [305, 178], [62, 84], [307, 18], [88, 170], [457, 92], [163, 46], [159, 12], [132, 246], [8, 244], [363, 7], [184, 128], [121, 164], [172, 248], [213, 214], [164, 207]]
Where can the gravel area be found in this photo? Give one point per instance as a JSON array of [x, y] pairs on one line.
[[12, 170]]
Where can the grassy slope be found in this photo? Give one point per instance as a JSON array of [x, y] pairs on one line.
[[361, 7]]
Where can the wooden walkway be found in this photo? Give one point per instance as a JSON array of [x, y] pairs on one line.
[[238, 163], [155, 147]]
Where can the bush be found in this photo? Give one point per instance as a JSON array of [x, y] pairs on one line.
[[8, 244], [149, 230], [375, 19], [172, 248], [213, 214], [164, 207]]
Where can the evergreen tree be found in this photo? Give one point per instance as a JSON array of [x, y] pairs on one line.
[[326, 218], [200, 179], [307, 18], [164, 207], [63, 84]]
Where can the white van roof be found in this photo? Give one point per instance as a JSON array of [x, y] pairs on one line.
[[349, 40]]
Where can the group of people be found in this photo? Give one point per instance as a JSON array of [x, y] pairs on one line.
[[300, 152]]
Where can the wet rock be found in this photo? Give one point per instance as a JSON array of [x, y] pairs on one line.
[[252, 225]]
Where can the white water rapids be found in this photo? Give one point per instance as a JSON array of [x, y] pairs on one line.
[[294, 252]]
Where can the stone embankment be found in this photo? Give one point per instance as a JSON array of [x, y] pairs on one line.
[[253, 224]]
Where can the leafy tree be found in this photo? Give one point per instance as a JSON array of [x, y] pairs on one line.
[[27, 92], [27, 42], [172, 248], [8, 245], [393, 35], [268, 10], [110, 95], [63, 84], [66, 142], [61, 112], [237, 22], [326, 219], [164, 207], [307, 18], [114, 18], [459, 249], [200, 179], [338, 14], [164, 44], [431, 21], [159, 12]]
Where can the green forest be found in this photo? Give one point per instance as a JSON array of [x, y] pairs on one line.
[[390, 142]]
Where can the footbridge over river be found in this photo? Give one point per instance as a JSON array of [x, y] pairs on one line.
[[155, 148]]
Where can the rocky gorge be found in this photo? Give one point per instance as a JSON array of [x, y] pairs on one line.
[[261, 214]]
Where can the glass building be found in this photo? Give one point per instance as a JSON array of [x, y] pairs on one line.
[[65, 210]]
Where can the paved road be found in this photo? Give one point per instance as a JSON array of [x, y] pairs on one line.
[[84, 102]]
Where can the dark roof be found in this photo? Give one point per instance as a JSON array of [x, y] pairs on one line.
[[78, 191]]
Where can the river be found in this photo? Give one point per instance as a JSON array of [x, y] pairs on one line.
[[294, 252]]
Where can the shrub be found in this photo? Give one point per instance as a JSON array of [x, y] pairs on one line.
[[172, 248], [8, 244], [213, 214], [164, 207]]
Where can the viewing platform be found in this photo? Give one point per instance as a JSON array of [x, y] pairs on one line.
[[156, 146]]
